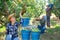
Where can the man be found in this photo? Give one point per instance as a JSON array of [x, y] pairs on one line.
[[42, 26], [48, 13]]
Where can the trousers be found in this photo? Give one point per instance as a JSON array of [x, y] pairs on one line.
[[9, 37]]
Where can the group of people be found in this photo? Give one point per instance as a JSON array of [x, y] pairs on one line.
[[12, 26]]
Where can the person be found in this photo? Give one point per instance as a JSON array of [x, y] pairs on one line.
[[12, 28], [48, 13], [42, 26]]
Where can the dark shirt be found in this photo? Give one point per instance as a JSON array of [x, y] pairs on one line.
[[12, 29], [48, 11], [43, 20]]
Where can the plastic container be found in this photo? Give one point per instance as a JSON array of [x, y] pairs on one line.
[[25, 34], [35, 35], [42, 29], [24, 22]]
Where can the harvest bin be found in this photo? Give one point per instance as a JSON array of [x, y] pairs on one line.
[[42, 29], [24, 22], [25, 34], [35, 35]]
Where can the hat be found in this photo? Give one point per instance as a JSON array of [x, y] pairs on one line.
[[11, 15]]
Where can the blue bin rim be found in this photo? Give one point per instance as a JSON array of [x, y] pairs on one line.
[[26, 30], [35, 32]]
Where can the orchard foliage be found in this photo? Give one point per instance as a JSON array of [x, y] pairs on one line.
[[31, 8], [56, 9]]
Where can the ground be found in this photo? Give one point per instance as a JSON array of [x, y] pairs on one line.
[[52, 34]]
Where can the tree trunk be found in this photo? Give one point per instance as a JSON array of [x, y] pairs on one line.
[[5, 7]]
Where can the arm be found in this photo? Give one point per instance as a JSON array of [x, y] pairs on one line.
[[37, 19], [21, 14]]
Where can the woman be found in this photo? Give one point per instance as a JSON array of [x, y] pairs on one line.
[[12, 28]]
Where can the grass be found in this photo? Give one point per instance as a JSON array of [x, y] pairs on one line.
[[2, 29]]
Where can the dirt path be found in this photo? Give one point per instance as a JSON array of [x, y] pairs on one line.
[[54, 35]]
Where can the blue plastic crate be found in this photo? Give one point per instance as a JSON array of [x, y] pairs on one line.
[[25, 34], [25, 22], [35, 35]]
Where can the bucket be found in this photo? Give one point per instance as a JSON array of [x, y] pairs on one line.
[[25, 34], [42, 28], [24, 22], [35, 35]]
